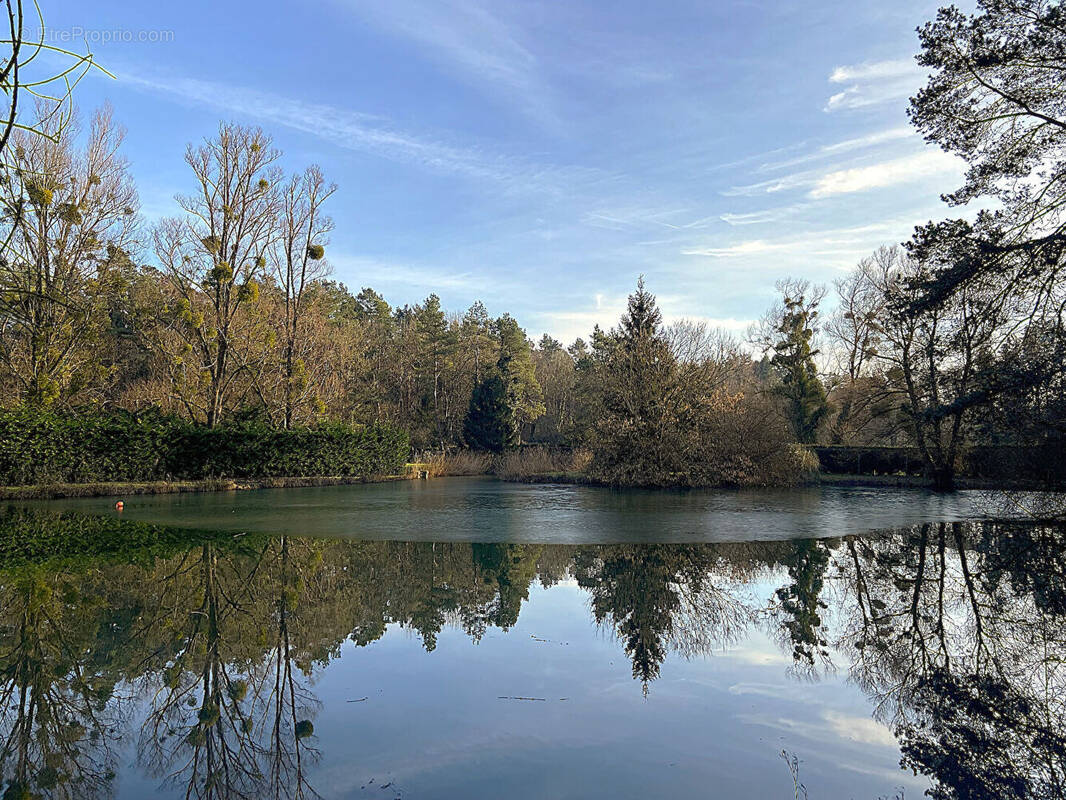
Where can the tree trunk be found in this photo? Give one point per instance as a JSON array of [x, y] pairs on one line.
[[943, 477]]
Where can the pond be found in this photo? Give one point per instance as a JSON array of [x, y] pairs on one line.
[[479, 510], [455, 639]]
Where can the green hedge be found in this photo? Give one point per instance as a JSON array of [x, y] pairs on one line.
[[1042, 463], [44, 447]]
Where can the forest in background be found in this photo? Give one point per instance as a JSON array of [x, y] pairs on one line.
[[228, 314]]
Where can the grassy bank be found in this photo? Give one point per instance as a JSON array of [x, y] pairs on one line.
[[528, 466], [55, 491]]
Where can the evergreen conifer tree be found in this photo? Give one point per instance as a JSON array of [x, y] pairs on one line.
[[794, 361], [488, 424]]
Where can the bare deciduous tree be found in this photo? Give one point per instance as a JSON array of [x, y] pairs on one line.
[[213, 258], [297, 262], [68, 209]]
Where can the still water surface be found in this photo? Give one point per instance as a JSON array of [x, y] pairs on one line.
[[467, 639], [477, 510]]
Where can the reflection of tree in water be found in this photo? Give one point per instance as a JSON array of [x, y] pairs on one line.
[[658, 597], [57, 705], [232, 715], [955, 632], [200, 727], [959, 637], [800, 604], [288, 703], [509, 569]]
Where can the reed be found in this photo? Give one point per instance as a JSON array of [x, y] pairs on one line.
[[538, 463], [457, 463]]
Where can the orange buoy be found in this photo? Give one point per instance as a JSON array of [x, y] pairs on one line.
[[119, 505]]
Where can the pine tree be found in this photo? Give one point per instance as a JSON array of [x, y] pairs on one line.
[[636, 437], [642, 319], [488, 424], [437, 345], [525, 399]]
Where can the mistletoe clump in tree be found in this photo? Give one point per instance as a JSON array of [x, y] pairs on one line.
[[788, 331]]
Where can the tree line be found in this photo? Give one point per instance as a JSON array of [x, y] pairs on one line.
[[228, 312]]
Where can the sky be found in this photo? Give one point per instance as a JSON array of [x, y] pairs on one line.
[[540, 156]]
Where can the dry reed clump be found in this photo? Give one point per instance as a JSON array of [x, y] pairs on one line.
[[540, 462], [459, 463], [515, 465]]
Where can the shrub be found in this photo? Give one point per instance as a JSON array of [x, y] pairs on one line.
[[725, 439], [46, 447], [744, 442]]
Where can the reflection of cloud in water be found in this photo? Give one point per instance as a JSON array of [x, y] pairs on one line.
[[787, 692], [859, 729], [848, 727], [752, 655]]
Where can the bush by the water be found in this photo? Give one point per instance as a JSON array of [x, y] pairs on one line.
[[733, 440], [45, 447], [673, 409]]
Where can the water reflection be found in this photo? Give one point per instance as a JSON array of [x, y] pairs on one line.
[[200, 650], [959, 637]]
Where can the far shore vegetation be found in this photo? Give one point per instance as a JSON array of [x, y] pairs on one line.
[[217, 344]]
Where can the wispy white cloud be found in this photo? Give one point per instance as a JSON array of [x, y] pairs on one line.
[[628, 218], [777, 151], [826, 181], [773, 185], [476, 38], [835, 243], [872, 83], [366, 133], [759, 217], [873, 70], [868, 141], [887, 173]]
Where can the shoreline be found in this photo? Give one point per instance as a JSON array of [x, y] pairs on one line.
[[132, 489], [58, 491], [821, 479]]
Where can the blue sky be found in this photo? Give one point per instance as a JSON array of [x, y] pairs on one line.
[[539, 156]]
